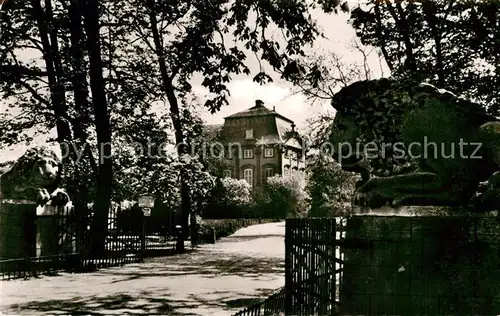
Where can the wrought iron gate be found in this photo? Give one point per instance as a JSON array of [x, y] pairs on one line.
[[313, 265]]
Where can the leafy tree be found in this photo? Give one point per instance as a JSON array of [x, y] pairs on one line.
[[75, 51], [230, 198], [331, 189], [96, 62], [189, 38], [285, 197], [320, 74], [420, 39]]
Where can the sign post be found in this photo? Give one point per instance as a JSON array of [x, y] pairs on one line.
[[146, 202], [146, 211]]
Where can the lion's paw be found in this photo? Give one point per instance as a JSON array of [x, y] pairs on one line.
[[371, 199], [42, 196], [487, 195], [68, 208], [59, 197]]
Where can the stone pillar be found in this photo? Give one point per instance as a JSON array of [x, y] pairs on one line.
[[55, 231], [47, 231], [421, 265], [237, 164], [258, 171], [280, 161], [17, 229]]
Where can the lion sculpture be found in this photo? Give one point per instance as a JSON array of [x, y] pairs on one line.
[[414, 144], [35, 176]]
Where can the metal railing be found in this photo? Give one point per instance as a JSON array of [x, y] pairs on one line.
[[274, 305]]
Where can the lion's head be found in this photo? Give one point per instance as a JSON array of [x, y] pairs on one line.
[[378, 112], [38, 167]]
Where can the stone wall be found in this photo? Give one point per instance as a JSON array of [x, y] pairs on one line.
[[17, 230], [422, 265]]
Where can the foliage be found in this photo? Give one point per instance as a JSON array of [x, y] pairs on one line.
[[284, 197], [230, 198], [321, 73], [331, 189], [200, 182], [192, 41], [419, 40], [5, 166], [95, 68], [237, 191]]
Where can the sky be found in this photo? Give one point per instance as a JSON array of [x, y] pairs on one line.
[[281, 95]]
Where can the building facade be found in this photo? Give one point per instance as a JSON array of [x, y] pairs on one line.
[[260, 143]]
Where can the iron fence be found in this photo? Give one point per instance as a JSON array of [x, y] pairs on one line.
[[274, 305], [55, 240], [313, 265]]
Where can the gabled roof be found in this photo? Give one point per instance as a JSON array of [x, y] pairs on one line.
[[258, 110]]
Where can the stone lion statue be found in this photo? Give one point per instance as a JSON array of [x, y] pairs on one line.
[[35, 176], [414, 144]]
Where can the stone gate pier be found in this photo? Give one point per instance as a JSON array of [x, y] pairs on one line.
[[422, 261]]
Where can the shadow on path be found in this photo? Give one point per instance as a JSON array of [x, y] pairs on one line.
[[146, 303], [205, 265]]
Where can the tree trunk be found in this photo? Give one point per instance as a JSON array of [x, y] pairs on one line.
[[430, 12], [52, 63], [80, 90], [381, 36], [103, 129], [174, 114], [403, 29]]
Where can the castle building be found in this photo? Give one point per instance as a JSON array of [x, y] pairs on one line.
[[260, 143]]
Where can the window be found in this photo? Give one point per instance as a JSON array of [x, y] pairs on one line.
[[294, 172], [249, 134], [268, 152], [227, 173], [248, 153], [248, 176], [269, 172]]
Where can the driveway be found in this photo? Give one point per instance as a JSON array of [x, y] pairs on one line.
[[218, 279]]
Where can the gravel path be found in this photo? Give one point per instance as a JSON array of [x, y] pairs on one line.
[[218, 279]]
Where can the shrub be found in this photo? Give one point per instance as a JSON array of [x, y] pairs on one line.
[[283, 197], [331, 189], [230, 198]]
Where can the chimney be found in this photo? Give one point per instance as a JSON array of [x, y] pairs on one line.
[[259, 103], [293, 127], [274, 108]]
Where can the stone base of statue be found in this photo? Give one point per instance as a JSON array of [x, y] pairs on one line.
[[47, 231], [54, 231], [17, 229], [422, 261]]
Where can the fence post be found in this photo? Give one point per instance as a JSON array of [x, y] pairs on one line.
[[47, 231], [288, 266], [179, 245], [143, 237], [213, 235]]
